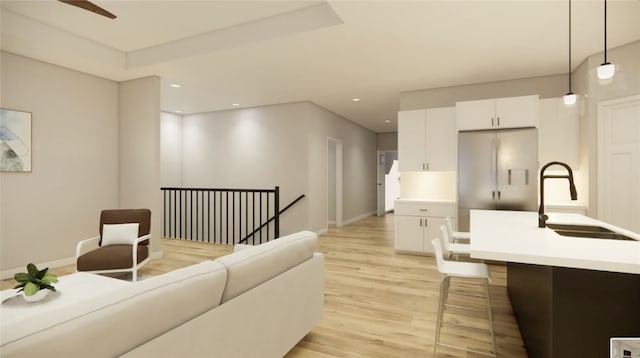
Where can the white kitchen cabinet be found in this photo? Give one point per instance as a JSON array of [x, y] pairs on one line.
[[497, 113], [418, 223], [427, 140], [558, 133]]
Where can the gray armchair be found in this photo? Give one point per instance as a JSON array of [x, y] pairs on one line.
[[93, 255]]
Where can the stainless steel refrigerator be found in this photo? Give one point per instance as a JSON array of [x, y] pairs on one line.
[[497, 170]]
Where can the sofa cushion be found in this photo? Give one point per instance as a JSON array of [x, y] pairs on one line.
[[123, 319], [250, 267], [111, 257]]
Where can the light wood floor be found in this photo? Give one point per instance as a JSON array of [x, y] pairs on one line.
[[377, 303]]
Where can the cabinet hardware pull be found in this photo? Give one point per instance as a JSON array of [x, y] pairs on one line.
[[498, 121], [424, 209], [493, 195], [509, 180], [427, 166], [492, 121], [420, 222], [498, 194]]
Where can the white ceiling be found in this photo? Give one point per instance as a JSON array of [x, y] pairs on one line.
[[265, 52]]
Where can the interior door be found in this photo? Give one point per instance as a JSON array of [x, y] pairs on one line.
[[476, 173], [619, 162], [517, 154]]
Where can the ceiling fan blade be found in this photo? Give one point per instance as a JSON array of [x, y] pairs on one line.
[[84, 4]]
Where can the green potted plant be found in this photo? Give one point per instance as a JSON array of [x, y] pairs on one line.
[[35, 284]]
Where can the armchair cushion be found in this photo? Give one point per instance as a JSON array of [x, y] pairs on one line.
[[123, 216], [110, 258], [114, 234]]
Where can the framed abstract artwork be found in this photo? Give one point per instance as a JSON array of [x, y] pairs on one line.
[[15, 141]]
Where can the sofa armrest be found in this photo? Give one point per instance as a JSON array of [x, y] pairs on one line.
[[87, 245]]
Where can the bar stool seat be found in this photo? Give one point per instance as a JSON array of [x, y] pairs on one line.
[[468, 270]]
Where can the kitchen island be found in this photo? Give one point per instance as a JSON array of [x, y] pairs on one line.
[[570, 295]]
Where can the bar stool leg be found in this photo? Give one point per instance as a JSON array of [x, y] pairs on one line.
[[444, 289], [493, 336]]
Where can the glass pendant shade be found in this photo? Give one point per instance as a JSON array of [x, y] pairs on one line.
[[606, 71], [570, 98]]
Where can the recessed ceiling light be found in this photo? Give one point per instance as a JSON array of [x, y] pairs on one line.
[[178, 111], [175, 85], [356, 99], [235, 104], [387, 121]]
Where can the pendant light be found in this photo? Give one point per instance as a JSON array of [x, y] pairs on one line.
[[606, 70], [570, 98]]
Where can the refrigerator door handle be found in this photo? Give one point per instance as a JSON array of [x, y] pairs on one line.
[[494, 162]]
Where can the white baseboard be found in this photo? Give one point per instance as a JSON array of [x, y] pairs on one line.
[[156, 255], [5, 274], [322, 231], [358, 218]]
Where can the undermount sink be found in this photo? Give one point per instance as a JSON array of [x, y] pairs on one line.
[[587, 231], [580, 228]]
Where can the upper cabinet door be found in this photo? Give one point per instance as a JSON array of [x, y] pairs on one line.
[[411, 140], [511, 112], [517, 112], [473, 115], [442, 139]]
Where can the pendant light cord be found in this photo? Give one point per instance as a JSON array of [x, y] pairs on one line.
[[605, 31], [570, 46]]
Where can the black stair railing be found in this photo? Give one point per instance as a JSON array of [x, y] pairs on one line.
[[246, 238], [225, 216]]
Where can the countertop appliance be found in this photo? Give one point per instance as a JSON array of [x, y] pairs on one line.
[[497, 170]]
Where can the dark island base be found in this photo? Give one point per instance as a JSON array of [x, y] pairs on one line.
[[565, 312]]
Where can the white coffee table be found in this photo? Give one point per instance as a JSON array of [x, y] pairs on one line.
[[70, 290]]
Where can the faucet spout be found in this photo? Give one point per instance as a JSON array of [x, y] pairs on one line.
[[542, 218]]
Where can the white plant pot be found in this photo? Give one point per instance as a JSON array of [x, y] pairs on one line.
[[37, 296]]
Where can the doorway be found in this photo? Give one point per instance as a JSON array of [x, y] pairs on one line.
[[619, 162], [334, 182], [388, 181]]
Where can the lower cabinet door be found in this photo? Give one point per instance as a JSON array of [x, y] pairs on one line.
[[409, 235], [432, 231]]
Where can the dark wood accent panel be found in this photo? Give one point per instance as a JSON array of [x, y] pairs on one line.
[[565, 312]]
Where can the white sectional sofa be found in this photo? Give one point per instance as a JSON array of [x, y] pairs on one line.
[[256, 302]]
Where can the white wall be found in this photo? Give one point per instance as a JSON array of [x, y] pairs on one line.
[[387, 141], [252, 148], [626, 82], [545, 87], [139, 150], [283, 145], [171, 149], [75, 161], [359, 169]]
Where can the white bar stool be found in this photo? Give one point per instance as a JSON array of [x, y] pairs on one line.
[[470, 270], [452, 248], [457, 235]]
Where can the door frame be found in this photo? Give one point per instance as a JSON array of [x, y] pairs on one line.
[[380, 201], [338, 179], [601, 175]]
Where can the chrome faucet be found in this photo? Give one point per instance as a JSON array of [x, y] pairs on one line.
[[542, 217]]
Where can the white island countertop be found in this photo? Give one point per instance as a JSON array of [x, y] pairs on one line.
[[514, 236]]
